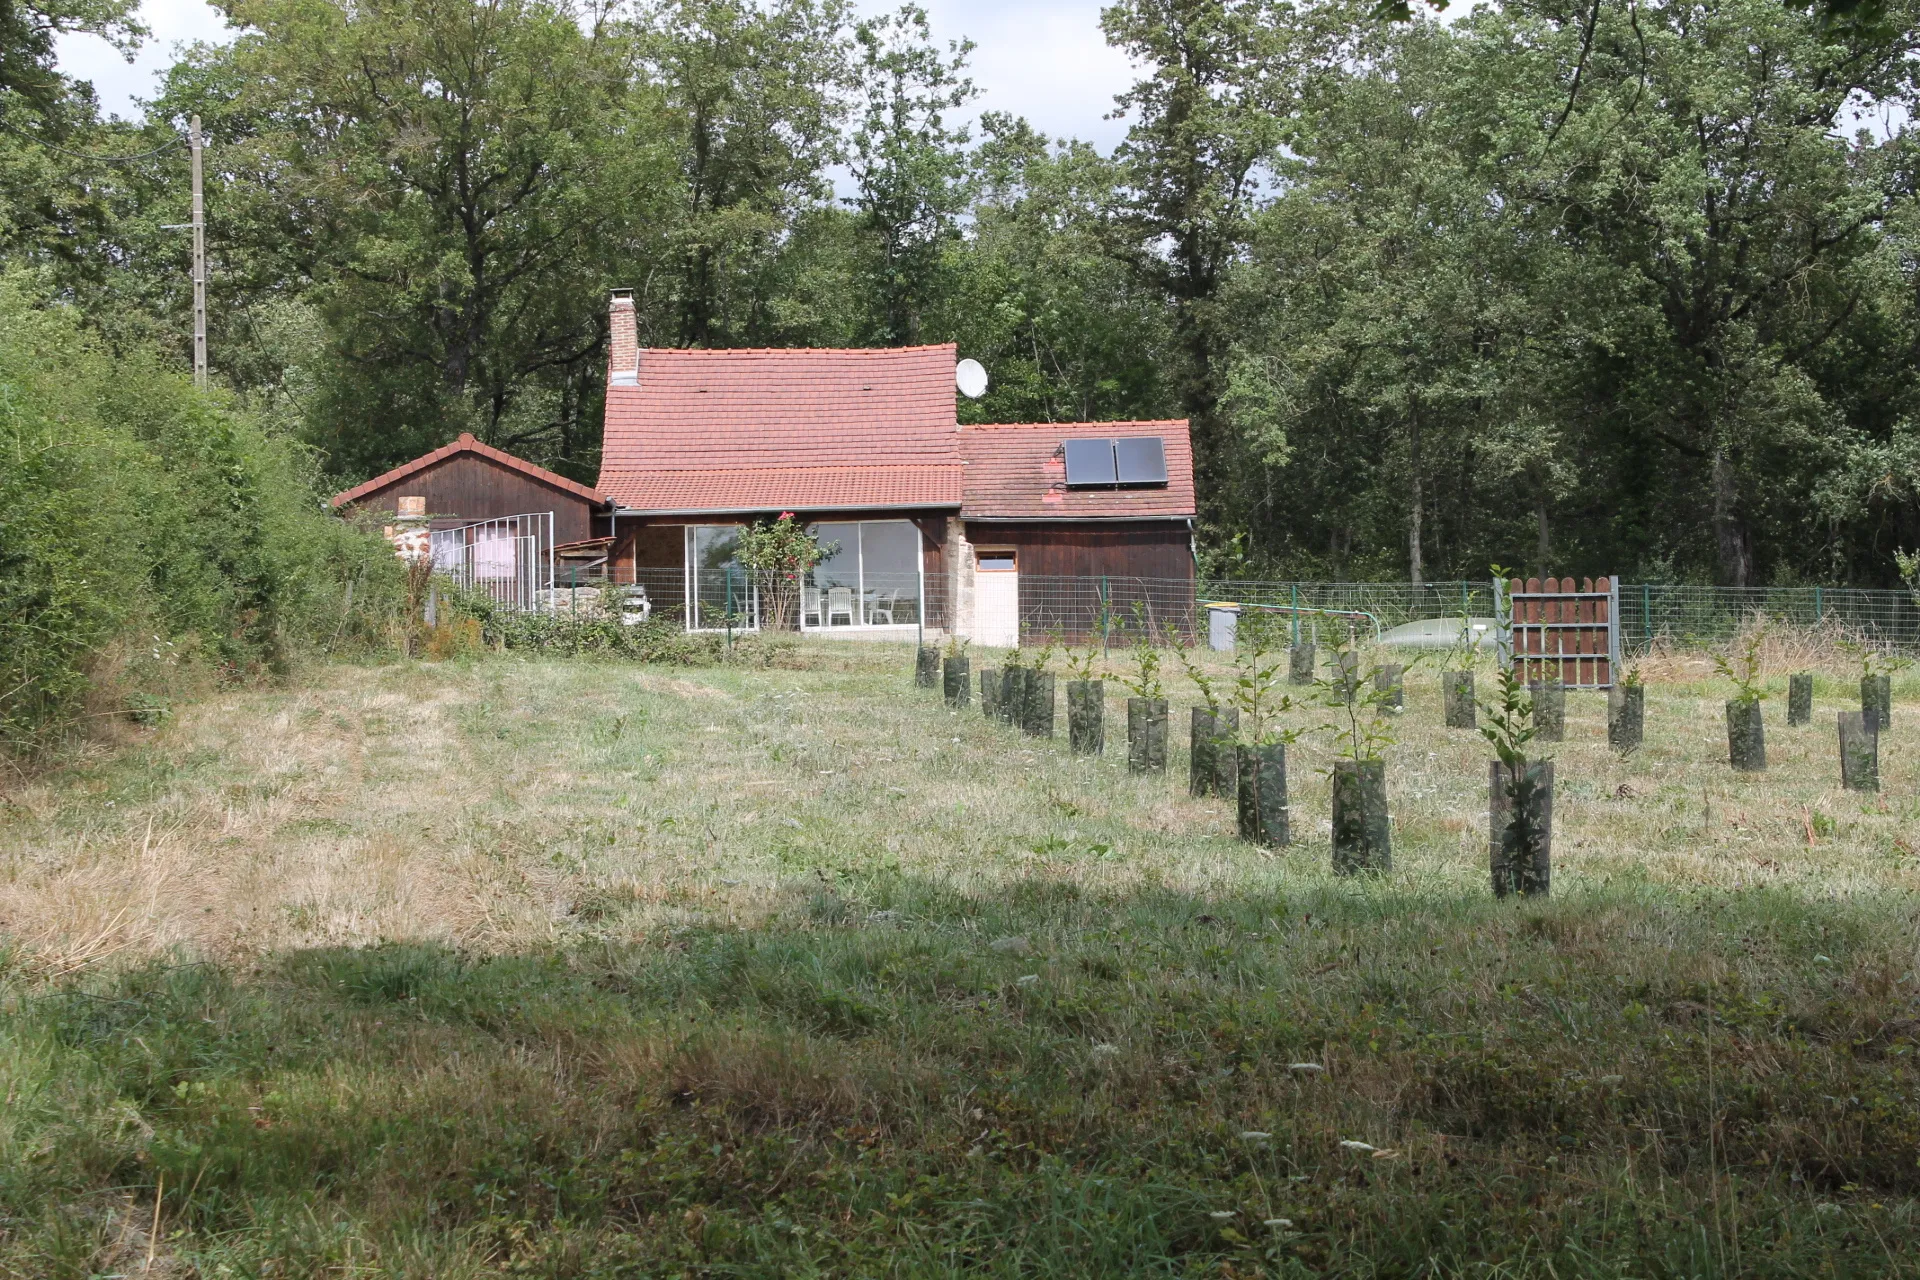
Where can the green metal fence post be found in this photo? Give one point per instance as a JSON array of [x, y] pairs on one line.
[[729, 608], [1646, 610], [1819, 606], [1296, 615], [1106, 617]]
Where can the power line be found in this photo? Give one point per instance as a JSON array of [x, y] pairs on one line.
[[81, 155]]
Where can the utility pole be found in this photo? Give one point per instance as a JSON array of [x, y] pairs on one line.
[[199, 265]]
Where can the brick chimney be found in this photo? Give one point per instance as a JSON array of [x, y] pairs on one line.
[[623, 358]]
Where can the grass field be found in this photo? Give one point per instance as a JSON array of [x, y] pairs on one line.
[[581, 969]]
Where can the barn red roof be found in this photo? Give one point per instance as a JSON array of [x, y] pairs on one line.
[[1018, 471], [467, 444], [763, 430]]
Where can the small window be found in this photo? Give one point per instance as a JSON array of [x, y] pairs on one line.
[[997, 561]]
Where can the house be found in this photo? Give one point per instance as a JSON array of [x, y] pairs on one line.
[[989, 531], [985, 530]]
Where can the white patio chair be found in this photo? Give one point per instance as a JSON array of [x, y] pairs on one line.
[[882, 608], [810, 606], [840, 603]]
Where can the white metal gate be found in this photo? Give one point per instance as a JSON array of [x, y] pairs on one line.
[[509, 559]]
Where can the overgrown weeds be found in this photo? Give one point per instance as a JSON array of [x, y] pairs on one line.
[[152, 539]]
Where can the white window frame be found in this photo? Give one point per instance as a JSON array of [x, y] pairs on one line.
[[860, 587], [691, 562]]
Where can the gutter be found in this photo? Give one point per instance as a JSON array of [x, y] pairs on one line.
[[798, 510], [1078, 520]]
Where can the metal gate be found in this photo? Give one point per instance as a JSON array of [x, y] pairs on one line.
[[1560, 628], [509, 559]]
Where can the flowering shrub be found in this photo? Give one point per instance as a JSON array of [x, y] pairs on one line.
[[778, 553]]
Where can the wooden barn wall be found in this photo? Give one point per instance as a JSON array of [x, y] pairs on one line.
[[1070, 610], [933, 556], [655, 556], [468, 487], [1077, 551]]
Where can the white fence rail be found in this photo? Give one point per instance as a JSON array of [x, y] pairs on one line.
[[509, 559]]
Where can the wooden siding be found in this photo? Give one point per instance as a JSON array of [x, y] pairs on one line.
[[1065, 568], [468, 487], [654, 555], [1156, 550]]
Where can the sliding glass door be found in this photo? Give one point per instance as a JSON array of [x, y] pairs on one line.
[[870, 578], [719, 592]]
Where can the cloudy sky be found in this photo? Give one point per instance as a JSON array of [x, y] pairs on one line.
[[1043, 59]]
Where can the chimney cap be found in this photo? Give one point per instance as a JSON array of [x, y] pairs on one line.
[[621, 297]]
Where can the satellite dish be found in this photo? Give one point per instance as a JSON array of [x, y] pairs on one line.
[[971, 378]]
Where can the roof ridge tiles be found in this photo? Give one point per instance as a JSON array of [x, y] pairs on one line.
[[781, 351], [1055, 426]]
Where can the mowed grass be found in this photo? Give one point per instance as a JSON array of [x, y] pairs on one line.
[[578, 969]]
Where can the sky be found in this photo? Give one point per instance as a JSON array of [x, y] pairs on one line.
[[1042, 59]]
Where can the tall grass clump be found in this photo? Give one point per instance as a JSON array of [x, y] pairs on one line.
[[598, 633], [147, 529]]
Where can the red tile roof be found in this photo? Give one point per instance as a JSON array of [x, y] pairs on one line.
[[467, 444], [765, 430], [1019, 471], [818, 429], [786, 488]]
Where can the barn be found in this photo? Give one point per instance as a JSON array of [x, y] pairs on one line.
[[493, 521]]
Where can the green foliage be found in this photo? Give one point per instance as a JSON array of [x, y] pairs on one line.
[[1465, 649], [1145, 680], [1510, 725], [910, 166], [1743, 669], [660, 639], [1202, 680], [143, 524], [464, 155], [782, 545], [1874, 660], [1456, 289], [28, 31], [779, 554], [1260, 666], [1361, 732], [1042, 657], [1082, 662]]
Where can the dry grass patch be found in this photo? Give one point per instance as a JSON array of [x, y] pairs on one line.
[[573, 969]]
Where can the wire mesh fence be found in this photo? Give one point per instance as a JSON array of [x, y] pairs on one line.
[[1694, 615], [1116, 609]]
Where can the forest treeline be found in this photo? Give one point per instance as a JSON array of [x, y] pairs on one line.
[[1608, 286]]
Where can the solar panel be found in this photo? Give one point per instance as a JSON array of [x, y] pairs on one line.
[[1140, 460], [1090, 462]]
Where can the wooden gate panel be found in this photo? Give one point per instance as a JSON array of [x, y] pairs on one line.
[[1563, 627]]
